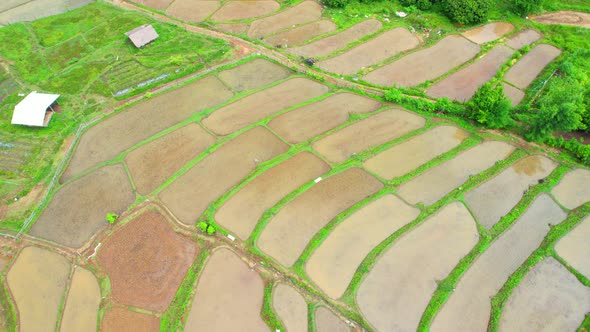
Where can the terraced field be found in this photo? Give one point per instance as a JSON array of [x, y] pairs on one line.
[[258, 198]]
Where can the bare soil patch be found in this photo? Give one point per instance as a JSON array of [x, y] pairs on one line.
[[523, 38], [227, 285], [530, 65], [378, 49], [237, 28], [425, 64], [547, 298], [489, 32], [81, 310], [514, 94], [326, 321], [301, 33], [330, 44], [565, 17], [461, 85], [408, 155], [404, 278], [496, 197], [258, 106], [574, 189], [574, 247], [291, 308], [37, 281], [120, 319], [155, 4], [189, 195], [243, 9], [304, 12], [77, 211], [334, 263], [146, 261], [193, 10], [289, 232], [438, 181], [241, 212], [253, 75], [114, 135], [369, 132], [151, 164], [37, 9], [308, 121], [468, 308]]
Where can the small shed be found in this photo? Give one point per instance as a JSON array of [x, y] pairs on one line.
[[35, 110], [142, 35]]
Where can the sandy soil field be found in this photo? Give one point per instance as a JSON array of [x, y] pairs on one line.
[[253, 75], [81, 307], [574, 189], [547, 298], [462, 85], [489, 32], [77, 211], [301, 33], [326, 321], [151, 164], [523, 38], [425, 64], [565, 17], [496, 197], [301, 13], [289, 231], [366, 133], [469, 308], [243, 9], [438, 181], [227, 285], [574, 247], [259, 105], [335, 261], [241, 212], [530, 65], [193, 10], [146, 262], [189, 195], [291, 308], [408, 155], [122, 320], [403, 279], [330, 44], [374, 51], [114, 135], [37, 281], [311, 120]]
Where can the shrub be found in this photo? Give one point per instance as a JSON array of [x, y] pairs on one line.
[[206, 228], [335, 3], [210, 229], [490, 107], [112, 217], [525, 7], [420, 4], [467, 11]]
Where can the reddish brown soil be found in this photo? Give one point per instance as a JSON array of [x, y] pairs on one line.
[[523, 38], [515, 95], [489, 32], [121, 320], [146, 262]]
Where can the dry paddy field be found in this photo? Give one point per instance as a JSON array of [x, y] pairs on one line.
[[332, 209], [244, 9], [305, 12], [193, 10], [565, 17], [530, 66], [489, 32], [301, 33], [378, 49], [13, 11], [425, 64]]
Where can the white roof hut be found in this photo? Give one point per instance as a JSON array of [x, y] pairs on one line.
[[35, 110], [142, 35]]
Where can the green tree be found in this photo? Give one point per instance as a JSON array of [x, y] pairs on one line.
[[490, 107], [467, 11]]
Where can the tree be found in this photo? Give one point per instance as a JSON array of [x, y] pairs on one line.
[[490, 107], [467, 11]]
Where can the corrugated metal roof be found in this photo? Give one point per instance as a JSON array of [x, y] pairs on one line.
[[142, 35], [31, 110]]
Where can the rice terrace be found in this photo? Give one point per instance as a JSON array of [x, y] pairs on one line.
[[294, 165]]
